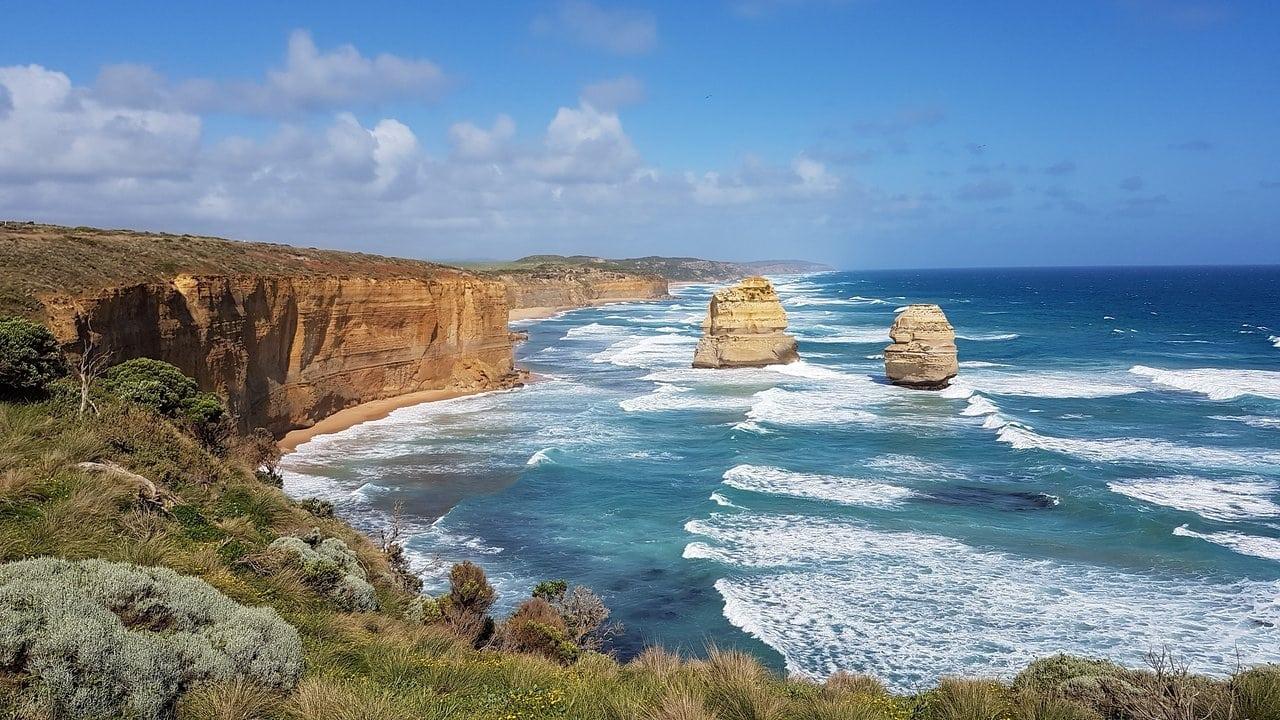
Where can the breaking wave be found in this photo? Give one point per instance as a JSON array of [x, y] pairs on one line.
[[842, 490], [1226, 500], [1215, 383], [1255, 545]]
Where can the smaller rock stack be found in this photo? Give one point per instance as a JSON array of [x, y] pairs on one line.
[[744, 328], [923, 353]]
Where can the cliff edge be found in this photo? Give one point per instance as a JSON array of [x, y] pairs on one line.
[[287, 335]]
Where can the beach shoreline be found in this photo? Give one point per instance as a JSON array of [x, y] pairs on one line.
[[373, 410]]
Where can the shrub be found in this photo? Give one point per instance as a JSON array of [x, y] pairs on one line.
[[263, 454], [536, 627], [317, 507], [1099, 685], [465, 608], [164, 389], [331, 567], [105, 639], [584, 613], [29, 358]]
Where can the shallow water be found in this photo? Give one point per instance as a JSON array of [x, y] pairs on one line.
[[1103, 478]]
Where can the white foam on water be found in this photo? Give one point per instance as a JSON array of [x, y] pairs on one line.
[[1255, 545], [835, 334], [778, 406], [979, 405], [1140, 451], [752, 427], [1216, 383], [842, 490], [594, 330], [651, 351], [807, 301], [913, 467], [834, 595], [722, 501], [674, 397], [980, 364], [1049, 384], [988, 337], [1257, 421], [1275, 340], [542, 457], [1247, 498]]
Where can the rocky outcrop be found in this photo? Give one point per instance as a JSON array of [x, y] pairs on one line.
[[744, 328], [554, 286], [288, 351], [923, 353]]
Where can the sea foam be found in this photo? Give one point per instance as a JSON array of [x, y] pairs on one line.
[[1257, 546], [1227, 500], [842, 490], [1140, 451], [829, 595], [1216, 383]]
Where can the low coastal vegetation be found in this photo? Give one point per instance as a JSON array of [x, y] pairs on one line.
[[151, 567]]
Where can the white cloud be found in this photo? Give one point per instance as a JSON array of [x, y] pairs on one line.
[[51, 130], [68, 154], [619, 31], [471, 142], [584, 144], [311, 80], [614, 93]]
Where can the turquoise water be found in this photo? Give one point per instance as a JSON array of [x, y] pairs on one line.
[[1103, 477]]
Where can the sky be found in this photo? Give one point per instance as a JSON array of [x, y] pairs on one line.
[[863, 133]]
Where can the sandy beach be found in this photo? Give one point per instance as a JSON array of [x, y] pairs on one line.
[[365, 412]]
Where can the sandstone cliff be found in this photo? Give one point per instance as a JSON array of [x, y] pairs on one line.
[[560, 286], [287, 335], [286, 352], [744, 328], [923, 353]]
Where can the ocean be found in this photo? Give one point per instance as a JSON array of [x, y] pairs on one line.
[[1102, 478]]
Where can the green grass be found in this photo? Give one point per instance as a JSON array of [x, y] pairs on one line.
[[379, 666]]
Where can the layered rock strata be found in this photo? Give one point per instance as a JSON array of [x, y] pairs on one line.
[[567, 287], [923, 353], [288, 351], [744, 328]]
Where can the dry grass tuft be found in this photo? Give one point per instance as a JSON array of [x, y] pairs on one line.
[[235, 700]]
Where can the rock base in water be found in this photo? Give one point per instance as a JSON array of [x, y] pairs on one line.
[[923, 353], [744, 328]]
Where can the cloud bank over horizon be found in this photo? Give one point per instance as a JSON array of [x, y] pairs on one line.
[[345, 145]]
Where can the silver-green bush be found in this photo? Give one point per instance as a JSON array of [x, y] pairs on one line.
[[103, 639], [332, 567]]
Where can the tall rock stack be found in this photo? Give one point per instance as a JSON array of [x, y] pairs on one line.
[[744, 328], [923, 353]]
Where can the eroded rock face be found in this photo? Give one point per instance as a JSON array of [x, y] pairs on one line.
[[288, 351], [923, 353], [744, 328]]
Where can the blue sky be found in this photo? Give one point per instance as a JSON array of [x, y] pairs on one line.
[[867, 133]]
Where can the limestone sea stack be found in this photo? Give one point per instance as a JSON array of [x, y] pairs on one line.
[[923, 353], [744, 328]]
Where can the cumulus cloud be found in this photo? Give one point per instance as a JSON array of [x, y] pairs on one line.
[[471, 142], [115, 154], [49, 130], [614, 93], [584, 144], [310, 80], [805, 178], [615, 30]]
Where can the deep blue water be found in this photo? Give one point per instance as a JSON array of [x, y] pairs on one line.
[[1102, 478]]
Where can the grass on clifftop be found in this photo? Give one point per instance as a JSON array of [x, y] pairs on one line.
[[211, 517], [37, 259]]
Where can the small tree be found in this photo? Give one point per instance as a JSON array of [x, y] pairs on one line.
[[164, 388], [466, 607], [29, 358]]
